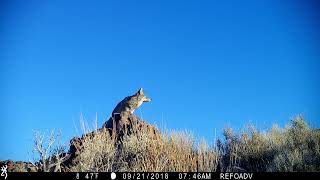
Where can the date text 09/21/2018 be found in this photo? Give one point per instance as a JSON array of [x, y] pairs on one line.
[[166, 175], [159, 175]]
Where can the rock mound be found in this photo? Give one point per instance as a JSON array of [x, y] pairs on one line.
[[116, 127], [18, 166]]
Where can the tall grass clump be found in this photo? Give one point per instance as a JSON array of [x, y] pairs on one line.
[[174, 151], [98, 153]]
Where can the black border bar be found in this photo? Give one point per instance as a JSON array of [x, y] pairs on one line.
[[161, 175]]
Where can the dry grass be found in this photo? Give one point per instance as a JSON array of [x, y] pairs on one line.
[[98, 154], [293, 148], [174, 152]]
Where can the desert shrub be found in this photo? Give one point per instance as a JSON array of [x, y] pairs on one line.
[[300, 150], [48, 152], [294, 148]]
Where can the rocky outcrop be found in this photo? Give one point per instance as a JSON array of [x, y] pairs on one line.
[[127, 124], [116, 127], [18, 166]]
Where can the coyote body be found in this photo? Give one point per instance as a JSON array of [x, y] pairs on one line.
[[131, 103]]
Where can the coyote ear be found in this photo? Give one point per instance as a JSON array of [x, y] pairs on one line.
[[140, 91]]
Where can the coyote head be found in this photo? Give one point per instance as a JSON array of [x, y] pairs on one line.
[[136, 101], [141, 97]]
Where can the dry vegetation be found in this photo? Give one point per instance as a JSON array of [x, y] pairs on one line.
[[50, 152], [293, 148]]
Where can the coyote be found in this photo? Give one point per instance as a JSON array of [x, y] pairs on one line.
[[131, 103]]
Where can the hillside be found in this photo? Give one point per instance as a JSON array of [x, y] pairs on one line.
[[134, 145]]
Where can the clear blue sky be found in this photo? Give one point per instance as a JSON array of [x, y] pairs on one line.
[[206, 65]]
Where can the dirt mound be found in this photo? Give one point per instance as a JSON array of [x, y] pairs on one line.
[[116, 127]]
